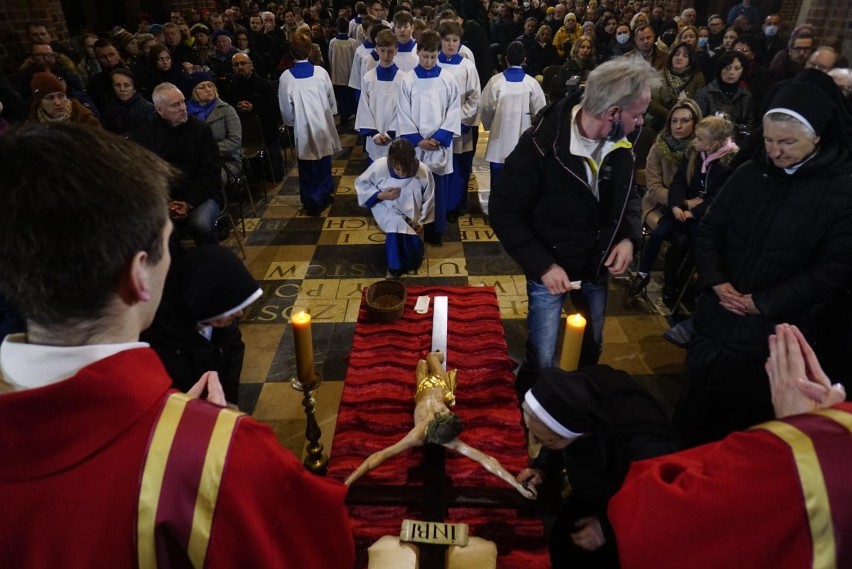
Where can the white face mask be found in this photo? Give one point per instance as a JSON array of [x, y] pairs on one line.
[[703, 42], [622, 38], [770, 31]]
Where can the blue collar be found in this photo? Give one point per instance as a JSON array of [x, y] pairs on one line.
[[374, 54], [406, 47], [302, 70], [357, 19], [386, 73], [427, 73], [514, 74], [368, 44], [452, 60], [342, 36]]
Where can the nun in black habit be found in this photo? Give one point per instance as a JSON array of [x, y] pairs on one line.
[[592, 423], [196, 328]]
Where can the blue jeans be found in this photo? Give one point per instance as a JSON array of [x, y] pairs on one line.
[[543, 318]]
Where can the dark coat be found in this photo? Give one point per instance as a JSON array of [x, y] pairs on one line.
[[712, 100], [263, 98], [542, 208], [190, 148], [540, 58], [706, 186], [785, 239], [124, 117]]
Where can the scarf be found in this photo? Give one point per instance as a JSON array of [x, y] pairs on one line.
[[43, 117], [199, 110], [727, 148], [677, 80], [728, 89], [671, 148]]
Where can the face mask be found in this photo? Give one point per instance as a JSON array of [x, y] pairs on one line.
[[770, 31], [622, 38], [703, 42], [668, 38]]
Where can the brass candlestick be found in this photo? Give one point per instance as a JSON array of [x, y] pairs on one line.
[[316, 461]]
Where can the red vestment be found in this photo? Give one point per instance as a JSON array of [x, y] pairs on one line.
[[778, 496], [70, 460]]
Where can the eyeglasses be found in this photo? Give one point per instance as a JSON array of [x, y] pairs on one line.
[[802, 49]]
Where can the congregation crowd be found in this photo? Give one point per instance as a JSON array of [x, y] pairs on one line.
[[618, 134]]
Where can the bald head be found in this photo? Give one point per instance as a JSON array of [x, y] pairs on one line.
[[242, 65]]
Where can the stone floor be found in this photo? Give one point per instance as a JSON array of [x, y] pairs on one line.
[[323, 263]]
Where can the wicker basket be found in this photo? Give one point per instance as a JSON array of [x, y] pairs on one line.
[[385, 301]]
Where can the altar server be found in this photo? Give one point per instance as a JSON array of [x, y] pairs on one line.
[[362, 51], [406, 48], [466, 77], [341, 53], [400, 191], [376, 118], [429, 116], [306, 99], [509, 102]]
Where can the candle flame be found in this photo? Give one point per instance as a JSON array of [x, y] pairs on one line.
[[301, 317], [576, 320]]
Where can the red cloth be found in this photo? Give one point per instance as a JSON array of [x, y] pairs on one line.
[[377, 406], [738, 503], [69, 479]]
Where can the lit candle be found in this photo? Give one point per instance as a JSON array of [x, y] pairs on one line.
[[575, 325], [304, 347]]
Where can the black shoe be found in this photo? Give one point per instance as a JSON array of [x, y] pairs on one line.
[[395, 273], [452, 216], [435, 240], [638, 284]]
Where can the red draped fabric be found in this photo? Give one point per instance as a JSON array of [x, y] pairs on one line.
[[377, 406]]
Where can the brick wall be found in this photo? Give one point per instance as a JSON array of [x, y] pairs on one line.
[[14, 14], [833, 19]]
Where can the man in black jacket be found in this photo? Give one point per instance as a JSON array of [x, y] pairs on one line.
[[188, 145], [566, 209]]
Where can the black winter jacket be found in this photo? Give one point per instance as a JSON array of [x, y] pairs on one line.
[[542, 208], [785, 239]]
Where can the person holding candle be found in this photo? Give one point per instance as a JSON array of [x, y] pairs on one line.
[[93, 432], [592, 423], [565, 206]]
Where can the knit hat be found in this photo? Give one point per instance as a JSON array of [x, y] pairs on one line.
[[155, 28], [43, 84], [121, 37], [199, 77], [222, 32], [199, 28]]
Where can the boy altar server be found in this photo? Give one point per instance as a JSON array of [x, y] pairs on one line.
[[399, 190], [406, 47], [429, 116], [376, 118], [509, 102], [362, 51], [306, 99]]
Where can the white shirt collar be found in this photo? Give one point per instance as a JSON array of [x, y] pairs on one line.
[[28, 366]]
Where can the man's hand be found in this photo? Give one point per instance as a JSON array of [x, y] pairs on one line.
[[382, 139], [428, 144], [620, 257], [178, 210], [556, 280], [210, 384], [589, 535], [797, 381], [389, 194], [731, 299], [244, 106]]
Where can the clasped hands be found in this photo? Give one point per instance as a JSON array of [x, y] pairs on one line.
[[734, 301]]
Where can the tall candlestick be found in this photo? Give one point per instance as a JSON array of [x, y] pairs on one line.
[[304, 347], [575, 325]]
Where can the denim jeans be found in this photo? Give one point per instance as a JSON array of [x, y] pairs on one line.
[[543, 320]]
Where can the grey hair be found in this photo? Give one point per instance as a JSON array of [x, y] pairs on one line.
[[784, 117], [157, 95], [619, 83]]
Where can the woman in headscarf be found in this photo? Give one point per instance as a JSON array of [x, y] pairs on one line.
[[776, 246], [593, 423], [51, 104], [205, 105], [196, 328], [127, 111], [681, 80]]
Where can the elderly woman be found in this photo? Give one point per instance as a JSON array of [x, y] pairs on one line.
[[681, 80], [581, 61], [592, 423], [205, 105], [566, 35], [775, 246], [542, 54], [51, 104], [127, 111], [726, 92]]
